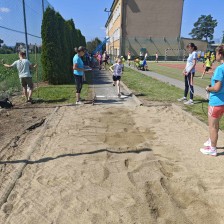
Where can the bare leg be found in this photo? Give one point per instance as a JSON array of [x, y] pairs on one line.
[[25, 92], [213, 130], [77, 96], [118, 88], [30, 94]]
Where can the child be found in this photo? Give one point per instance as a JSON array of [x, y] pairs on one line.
[[129, 58], [157, 56], [116, 69], [207, 65], [23, 66]]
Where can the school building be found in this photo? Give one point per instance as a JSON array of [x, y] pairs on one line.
[[151, 26]]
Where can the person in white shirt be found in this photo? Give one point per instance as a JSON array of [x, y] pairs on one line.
[[188, 73], [116, 69], [23, 66]]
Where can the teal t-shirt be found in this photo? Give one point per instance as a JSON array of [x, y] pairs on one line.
[[217, 98], [77, 60]]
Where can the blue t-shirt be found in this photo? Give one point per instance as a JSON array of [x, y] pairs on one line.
[[217, 98], [77, 60]]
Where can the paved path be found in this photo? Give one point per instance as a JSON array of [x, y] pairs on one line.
[[180, 84], [105, 92]]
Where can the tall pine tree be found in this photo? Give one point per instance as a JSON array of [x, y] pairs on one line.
[[59, 37]]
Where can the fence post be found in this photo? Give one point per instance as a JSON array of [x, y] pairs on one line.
[[24, 17]]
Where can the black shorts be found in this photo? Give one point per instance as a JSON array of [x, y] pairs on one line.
[[116, 78], [207, 69], [26, 82]]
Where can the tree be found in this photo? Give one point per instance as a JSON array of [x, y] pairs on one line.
[[59, 37], [204, 28], [1, 42], [91, 45]]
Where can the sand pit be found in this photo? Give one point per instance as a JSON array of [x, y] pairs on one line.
[[116, 164]]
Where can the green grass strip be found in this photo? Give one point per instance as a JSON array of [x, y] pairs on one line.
[[154, 90]]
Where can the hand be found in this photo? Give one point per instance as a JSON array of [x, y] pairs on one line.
[[207, 88], [184, 73]]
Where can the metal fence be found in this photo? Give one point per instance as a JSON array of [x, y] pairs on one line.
[[20, 30], [20, 23], [167, 49]]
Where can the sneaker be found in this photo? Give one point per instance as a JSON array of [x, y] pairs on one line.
[[208, 151], [207, 143], [78, 103], [29, 100], [182, 99], [189, 102]]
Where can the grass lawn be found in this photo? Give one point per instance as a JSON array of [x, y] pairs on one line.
[[177, 73], [154, 90], [62, 93]]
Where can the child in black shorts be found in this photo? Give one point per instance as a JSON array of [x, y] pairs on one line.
[[116, 69]]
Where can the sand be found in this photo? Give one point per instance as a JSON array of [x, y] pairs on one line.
[[118, 164]]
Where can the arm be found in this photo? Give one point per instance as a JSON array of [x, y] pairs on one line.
[[111, 68], [193, 66], [33, 66], [75, 67], [7, 66], [215, 88]]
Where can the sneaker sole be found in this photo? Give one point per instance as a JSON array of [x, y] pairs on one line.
[[207, 153]]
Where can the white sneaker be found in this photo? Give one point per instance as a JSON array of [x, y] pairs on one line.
[[189, 102], [207, 143], [208, 151], [78, 103], [182, 99]]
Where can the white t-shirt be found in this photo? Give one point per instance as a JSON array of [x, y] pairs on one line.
[[23, 67], [117, 69], [193, 56]]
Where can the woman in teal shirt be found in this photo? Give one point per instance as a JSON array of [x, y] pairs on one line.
[[78, 70], [216, 104]]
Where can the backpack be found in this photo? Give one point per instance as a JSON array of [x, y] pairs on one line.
[[6, 103]]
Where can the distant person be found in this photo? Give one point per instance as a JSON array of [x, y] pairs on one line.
[[213, 57], [99, 59], [146, 56], [208, 65], [143, 65], [216, 104], [105, 58], [78, 70], [157, 57], [188, 73], [23, 66], [116, 69], [141, 55], [129, 58]]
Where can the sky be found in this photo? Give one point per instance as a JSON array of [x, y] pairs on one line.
[[90, 18]]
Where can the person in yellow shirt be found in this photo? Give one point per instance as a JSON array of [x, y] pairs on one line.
[[208, 65], [213, 57]]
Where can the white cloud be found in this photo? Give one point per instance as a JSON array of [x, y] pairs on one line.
[[4, 10]]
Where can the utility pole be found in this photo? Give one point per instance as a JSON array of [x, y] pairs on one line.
[[43, 6], [25, 27]]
